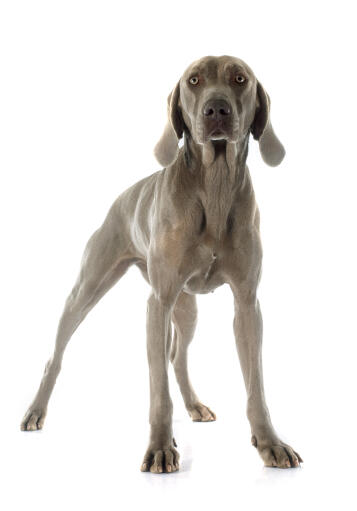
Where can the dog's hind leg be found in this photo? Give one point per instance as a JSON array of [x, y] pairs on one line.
[[184, 318], [104, 262]]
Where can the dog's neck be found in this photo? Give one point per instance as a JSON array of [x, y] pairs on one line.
[[219, 170], [204, 156]]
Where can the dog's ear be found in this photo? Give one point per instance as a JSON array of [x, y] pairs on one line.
[[166, 150], [271, 148]]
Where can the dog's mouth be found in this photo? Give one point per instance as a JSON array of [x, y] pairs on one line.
[[218, 134], [218, 130]]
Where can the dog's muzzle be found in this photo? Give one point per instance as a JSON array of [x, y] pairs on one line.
[[217, 119]]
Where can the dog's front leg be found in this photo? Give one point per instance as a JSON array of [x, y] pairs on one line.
[[248, 334], [161, 456]]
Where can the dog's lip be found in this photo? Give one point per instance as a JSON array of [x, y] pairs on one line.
[[218, 132], [216, 127]]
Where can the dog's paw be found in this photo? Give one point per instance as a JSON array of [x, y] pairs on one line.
[[33, 419], [159, 461], [201, 413], [276, 453]]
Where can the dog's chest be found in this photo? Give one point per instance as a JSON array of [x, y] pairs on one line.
[[207, 254], [206, 270], [216, 198]]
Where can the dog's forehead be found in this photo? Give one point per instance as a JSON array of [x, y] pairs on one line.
[[213, 67]]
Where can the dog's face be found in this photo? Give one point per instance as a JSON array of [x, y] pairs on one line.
[[219, 98]]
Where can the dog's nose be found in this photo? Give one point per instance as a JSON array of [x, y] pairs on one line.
[[216, 109]]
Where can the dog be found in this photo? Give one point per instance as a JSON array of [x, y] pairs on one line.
[[190, 228]]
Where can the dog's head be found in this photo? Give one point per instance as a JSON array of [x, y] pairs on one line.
[[219, 98]]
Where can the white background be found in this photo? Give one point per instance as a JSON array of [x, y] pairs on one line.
[[83, 99]]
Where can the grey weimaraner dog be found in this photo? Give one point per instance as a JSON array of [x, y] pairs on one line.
[[190, 228]]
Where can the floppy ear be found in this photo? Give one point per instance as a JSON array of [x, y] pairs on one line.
[[271, 148], [166, 150]]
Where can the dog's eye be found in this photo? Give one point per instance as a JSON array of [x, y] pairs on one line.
[[194, 80], [240, 79]]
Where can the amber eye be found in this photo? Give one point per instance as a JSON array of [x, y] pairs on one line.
[[240, 79], [194, 80]]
